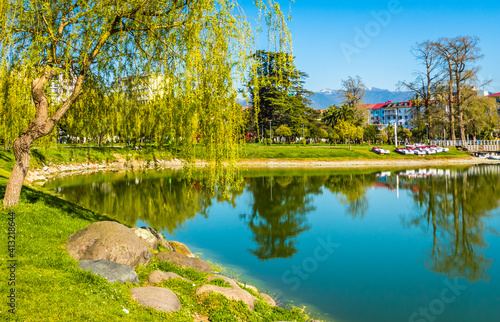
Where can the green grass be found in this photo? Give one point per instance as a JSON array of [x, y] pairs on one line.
[[50, 287], [64, 154], [334, 153]]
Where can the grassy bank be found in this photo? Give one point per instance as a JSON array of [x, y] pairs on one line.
[[335, 153], [67, 154], [50, 287]]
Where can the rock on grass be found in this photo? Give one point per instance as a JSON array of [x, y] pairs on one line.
[[109, 241], [158, 298]]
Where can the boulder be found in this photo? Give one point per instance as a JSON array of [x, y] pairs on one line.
[[234, 292], [250, 287], [111, 271], [181, 248], [109, 241], [231, 282], [159, 276], [231, 293], [184, 261], [158, 298], [160, 239], [147, 237], [268, 299]]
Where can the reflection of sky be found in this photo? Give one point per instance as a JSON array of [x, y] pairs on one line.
[[377, 274]]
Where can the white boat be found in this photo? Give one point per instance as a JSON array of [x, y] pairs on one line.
[[379, 150], [494, 157], [418, 152]]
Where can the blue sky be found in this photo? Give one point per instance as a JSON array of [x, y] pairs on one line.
[[328, 45]]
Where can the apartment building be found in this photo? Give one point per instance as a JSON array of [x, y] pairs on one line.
[[141, 87], [392, 113], [60, 87]]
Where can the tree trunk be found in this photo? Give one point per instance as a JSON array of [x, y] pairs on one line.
[[460, 111], [22, 154], [450, 101], [462, 125], [41, 125]]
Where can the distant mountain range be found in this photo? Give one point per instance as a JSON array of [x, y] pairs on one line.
[[326, 97]]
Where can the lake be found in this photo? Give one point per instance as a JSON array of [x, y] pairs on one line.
[[350, 245]]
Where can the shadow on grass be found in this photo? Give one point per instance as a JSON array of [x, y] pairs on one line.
[[40, 158], [31, 196], [4, 156]]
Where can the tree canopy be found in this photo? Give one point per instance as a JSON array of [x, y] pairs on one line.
[[277, 91], [197, 50]]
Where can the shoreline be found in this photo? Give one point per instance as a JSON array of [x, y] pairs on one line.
[[176, 164], [63, 170]]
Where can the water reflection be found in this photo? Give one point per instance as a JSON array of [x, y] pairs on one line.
[[278, 213], [452, 207], [164, 202], [351, 191]]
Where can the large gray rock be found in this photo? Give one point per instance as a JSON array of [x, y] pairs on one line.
[[159, 276], [158, 298], [110, 241], [111, 271], [184, 261]]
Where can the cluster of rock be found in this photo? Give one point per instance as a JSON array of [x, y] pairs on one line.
[[112, 250], [62, 170]]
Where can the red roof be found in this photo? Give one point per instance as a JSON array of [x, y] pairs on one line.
[[377, 106], [494, 95]]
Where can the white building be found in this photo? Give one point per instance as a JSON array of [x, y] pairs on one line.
[[395, 114], [142, 87], [61, 86]]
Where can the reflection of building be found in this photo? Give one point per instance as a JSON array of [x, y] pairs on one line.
[[143, 87], [61, 87], [385, 114]]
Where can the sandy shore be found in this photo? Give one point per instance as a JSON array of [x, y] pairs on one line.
[[276, 163]]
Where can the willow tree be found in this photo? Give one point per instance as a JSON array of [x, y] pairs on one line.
[[199, 47]]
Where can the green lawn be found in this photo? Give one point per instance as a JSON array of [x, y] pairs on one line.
[[252, 151], [339, 152]]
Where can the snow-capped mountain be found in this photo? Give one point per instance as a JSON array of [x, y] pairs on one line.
[[326, 97]]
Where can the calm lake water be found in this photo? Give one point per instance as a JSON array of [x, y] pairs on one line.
[[354, 245]]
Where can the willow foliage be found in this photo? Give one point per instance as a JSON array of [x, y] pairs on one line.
[[191, 54]]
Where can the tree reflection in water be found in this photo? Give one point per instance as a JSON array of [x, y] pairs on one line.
[[351, 191], [278, 213], [164, 202], [455, 208]]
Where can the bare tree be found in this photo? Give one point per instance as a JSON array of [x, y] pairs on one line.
[[353, 91], [427, 82], [460, 55]]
